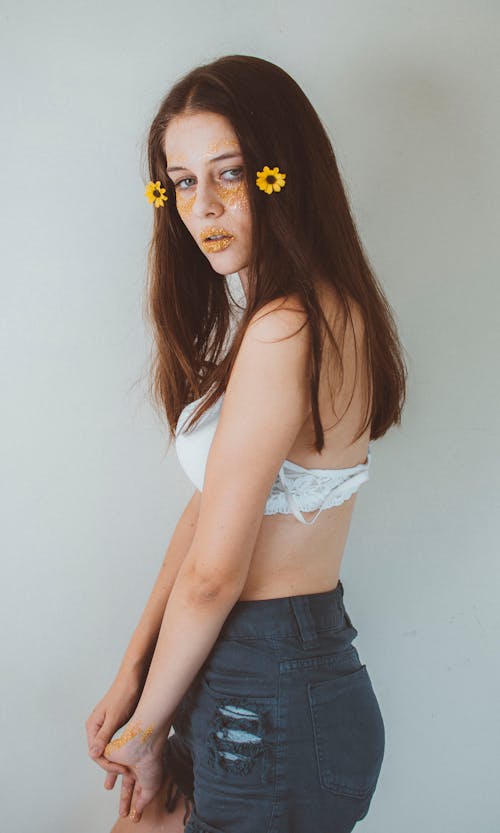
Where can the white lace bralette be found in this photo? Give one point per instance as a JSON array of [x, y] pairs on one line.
[[296, 489]]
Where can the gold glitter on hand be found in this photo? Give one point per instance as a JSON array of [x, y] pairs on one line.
[[129, 733]]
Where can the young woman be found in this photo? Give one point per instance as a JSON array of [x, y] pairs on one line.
[[245, 647]]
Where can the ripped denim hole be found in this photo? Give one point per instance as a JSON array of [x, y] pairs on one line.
[[235, 738]]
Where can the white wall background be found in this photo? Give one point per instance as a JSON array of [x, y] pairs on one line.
[[89, 498]]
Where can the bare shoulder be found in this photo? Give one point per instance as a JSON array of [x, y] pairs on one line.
[[275, 351], [280, 318]]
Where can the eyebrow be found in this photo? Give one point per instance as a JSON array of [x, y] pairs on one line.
[[214, 159]]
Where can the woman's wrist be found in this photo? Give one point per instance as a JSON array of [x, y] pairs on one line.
[[157, 725], [142, 738]]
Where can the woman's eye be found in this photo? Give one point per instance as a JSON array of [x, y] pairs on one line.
[[238, 173], [183, 180]]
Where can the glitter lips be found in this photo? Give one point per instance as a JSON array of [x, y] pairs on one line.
[[216, 245]]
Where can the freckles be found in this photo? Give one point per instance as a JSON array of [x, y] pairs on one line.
[[234, 196]]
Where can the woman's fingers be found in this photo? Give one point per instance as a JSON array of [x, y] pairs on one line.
[[111, 766], [128, 784], [100, 740], [93, 723], [140, 799], [98, 735], [135, 809], [110, 780], [97, 744], [99, 729]]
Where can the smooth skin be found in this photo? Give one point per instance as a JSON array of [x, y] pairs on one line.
[[277, 555], [118, 704]]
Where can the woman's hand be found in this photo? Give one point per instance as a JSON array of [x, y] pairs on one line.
[[140, 749], [112, 712]]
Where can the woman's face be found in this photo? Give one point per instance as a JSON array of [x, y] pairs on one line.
[[211, 194]]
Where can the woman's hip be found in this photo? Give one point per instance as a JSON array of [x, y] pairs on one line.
[[283, 715]]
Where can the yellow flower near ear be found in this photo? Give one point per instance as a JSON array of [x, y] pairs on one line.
[[270, 180], [155, 193]]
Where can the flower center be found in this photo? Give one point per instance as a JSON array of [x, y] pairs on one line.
[[271, 178]]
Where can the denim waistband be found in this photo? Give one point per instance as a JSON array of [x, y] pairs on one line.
[[307, 615]]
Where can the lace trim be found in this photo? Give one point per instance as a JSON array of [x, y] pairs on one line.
[[298, 490], [279, 502]]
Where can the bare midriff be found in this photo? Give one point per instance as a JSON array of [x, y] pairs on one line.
[[292, 558]]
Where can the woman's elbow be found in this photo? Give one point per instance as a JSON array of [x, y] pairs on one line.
[[208, 585]]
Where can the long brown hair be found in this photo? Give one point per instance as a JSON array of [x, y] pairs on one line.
[[307, 232]]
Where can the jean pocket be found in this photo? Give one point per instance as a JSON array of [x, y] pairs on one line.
[[250, 683], [349, 733]]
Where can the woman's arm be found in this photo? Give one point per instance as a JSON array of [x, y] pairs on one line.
[[119, 702], [265, 405], [141, 648]]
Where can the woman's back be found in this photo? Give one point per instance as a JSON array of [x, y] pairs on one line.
[[291, 558]]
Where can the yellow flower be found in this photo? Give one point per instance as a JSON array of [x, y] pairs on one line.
[[270, 180], [155, 193]]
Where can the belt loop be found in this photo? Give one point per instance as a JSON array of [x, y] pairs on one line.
[[346, 614], [305, 622]]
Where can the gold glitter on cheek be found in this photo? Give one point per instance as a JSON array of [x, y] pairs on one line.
[[234, 196], [184, 206]]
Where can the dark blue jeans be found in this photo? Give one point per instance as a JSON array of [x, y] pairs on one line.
[[281, 730]]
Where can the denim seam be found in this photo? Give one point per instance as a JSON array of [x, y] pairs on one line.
[[288, 664], [278, 747], [272, 635]]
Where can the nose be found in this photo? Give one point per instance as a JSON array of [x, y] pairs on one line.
[[207, 202]]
